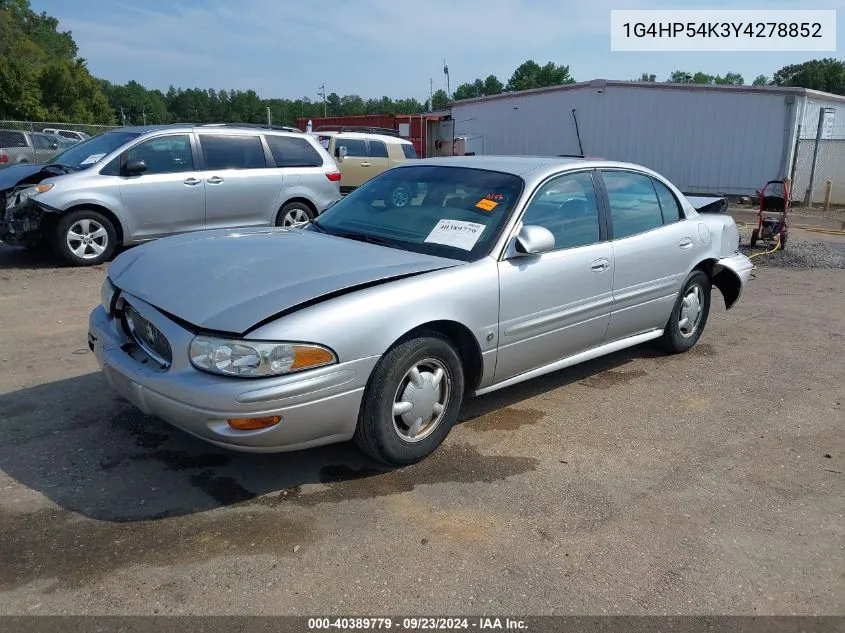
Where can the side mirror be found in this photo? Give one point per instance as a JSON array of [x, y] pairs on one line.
[[533, 240], [135, 166], [54, 145], [340, 153]]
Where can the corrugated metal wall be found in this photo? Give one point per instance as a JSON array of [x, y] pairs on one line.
[[704, 141]]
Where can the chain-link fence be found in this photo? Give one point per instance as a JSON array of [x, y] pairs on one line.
[[818, 167], [40, 126]]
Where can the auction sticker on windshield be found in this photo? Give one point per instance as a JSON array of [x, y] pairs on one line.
[[456, 233], [93, 158]]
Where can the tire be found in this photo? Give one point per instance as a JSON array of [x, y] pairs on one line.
[[398, 440], [400, 197], [71, 231], [782, 243], [679, 338], [755, 235], [294, 214]]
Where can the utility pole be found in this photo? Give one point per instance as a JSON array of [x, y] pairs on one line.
[[446, 72], [430, 93], [144, 116], [269, 119], [322, 93], [122, 116]]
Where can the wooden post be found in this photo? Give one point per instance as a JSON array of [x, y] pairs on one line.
[[828, 188]]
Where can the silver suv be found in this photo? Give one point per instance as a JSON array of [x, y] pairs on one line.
[[131, 185]]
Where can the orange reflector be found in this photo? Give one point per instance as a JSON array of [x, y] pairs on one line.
[[310, 357], [252, 424]]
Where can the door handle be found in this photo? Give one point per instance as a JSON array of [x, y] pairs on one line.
[[214, 180], [600, 265], [685, 243], [365, 164], [192, 181]]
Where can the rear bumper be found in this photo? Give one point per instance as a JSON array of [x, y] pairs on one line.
[[740, 268], [317, 407]]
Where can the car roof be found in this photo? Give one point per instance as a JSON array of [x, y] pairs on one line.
[[533, 166], [363, 135], [234, 127]]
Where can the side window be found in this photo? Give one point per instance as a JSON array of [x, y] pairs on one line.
[[42, 142], [232, 151], [567, 207], [290, 151], [356, 147], [378, 149], [409, 150], [164, 154], [634, 207], [12, 139], [668, 203]]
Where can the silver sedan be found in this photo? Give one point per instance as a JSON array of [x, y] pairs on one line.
[[373, 323]]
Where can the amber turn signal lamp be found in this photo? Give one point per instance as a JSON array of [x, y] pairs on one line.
[[310, 357], [253, 424]]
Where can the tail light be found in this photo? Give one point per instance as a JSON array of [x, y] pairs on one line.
[[334, 176], [4, 157]]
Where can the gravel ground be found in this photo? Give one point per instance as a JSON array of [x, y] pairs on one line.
[[801, 255], [703, 483]]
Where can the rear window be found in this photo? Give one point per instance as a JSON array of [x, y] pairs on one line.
[[291, 151], [378, 149], [409, 150], [68, 134], [232, 152], [12, 139]]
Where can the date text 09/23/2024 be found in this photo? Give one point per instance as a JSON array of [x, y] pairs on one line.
[[415, 624]]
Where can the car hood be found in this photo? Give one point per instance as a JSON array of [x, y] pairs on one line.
[[231, 280], [13, 175]]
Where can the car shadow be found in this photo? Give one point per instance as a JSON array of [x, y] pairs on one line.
[[89, 451], [39, 258]]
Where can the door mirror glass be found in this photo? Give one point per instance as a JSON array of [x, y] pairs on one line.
[[533, 240], [135, 166]]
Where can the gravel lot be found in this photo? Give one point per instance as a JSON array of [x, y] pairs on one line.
[[710, 482]]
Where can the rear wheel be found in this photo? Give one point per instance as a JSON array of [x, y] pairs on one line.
[[295, 214], [84, 238], [689, 316], [412, 401], [782, 242]]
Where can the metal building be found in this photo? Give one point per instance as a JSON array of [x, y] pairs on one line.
[[726, 140]]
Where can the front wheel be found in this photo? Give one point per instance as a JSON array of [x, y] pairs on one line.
[[84, 238], [411, 402], [689, 316], [401, 197]]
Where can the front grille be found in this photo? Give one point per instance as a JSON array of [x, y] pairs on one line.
[[148, 336]]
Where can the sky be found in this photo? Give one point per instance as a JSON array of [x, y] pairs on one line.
[[289, 48]]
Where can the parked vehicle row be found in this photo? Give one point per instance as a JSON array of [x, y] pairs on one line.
[[72, 135], [135, 184], [21, 146], [373, 321]]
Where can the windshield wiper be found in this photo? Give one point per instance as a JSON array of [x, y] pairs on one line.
[[362, 237]]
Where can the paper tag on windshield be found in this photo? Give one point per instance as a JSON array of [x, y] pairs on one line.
[[456, 233], [93, 158]]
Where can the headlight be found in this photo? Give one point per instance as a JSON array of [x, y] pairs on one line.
[[106, 294], [254, 359]]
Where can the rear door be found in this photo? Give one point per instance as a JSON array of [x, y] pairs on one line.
[[242, 185], [654, 248], [169, 197], [379, 160]]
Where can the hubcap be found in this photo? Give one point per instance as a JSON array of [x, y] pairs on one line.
[[295, 217], [421, 400], [87, 239], [400, 197], [691, 311]]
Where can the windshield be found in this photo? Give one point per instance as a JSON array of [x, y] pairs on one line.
[[91, 150], [454, 212]]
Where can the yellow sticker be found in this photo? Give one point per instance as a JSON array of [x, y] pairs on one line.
[[486, 205]]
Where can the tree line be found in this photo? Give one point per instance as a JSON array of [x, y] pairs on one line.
[[42, 78]]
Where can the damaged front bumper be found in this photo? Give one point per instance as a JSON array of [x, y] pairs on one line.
[[21, 220]]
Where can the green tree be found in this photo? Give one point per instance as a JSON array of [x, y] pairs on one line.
[[647, 77], [730, 79], [761, 80], [680, 77], [827, 75], [492, 85], [530, 75], [439, 100]]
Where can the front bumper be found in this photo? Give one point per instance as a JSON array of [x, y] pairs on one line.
[[316, 407], [20, 222]]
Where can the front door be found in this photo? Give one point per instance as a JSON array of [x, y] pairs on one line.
[[242, 187], [558, 303], [356, 165], [167, 198], [654, 247]]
